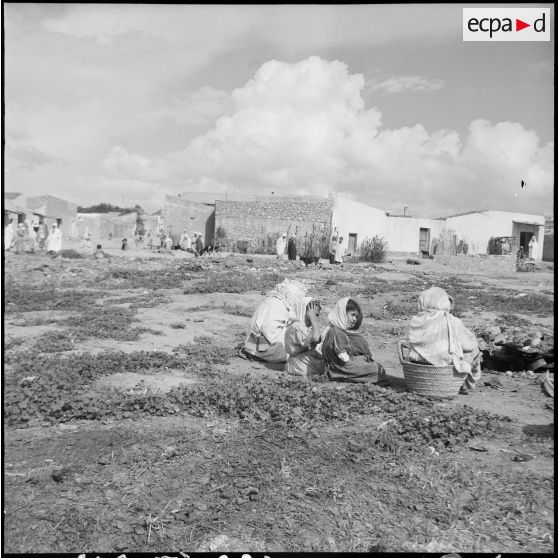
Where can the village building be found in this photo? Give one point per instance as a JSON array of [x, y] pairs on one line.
[[105, 226], [260, 219], [114, 225], [548, 246], [474, 233], [50, 209], [181, 213]]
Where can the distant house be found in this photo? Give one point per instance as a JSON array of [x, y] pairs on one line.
[[104, 226], [478, 232], [249, 217], [50, 209], [181, 213]]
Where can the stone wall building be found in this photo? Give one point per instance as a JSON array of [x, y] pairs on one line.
[[476, 232], [273, 215]]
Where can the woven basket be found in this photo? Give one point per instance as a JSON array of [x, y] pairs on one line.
[[425, 379]]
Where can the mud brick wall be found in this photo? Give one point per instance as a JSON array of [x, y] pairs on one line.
[[248, 220], [179, 215]]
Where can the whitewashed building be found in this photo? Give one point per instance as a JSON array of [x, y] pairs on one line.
[[476, 232]]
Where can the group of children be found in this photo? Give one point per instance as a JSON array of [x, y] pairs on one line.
[[285, 329]]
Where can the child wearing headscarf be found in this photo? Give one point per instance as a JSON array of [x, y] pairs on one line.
[[301, 339], [346, 353], [440, 339], [266, 335]]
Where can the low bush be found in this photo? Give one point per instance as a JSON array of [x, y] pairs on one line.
[[234, 283], [374, 250], [53, 342], [57, 389], [21, 298]]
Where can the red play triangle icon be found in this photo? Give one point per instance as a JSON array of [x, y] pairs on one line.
[[519, 25]]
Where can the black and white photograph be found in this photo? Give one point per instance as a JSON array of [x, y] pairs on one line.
[[277, 278]]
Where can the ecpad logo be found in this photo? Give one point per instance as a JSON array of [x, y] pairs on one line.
[[506, 24]]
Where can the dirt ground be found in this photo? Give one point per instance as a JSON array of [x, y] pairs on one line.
[[131, 424]]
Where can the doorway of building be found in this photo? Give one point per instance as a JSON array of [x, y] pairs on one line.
[[524, 238], [424, 242], [352, 243]]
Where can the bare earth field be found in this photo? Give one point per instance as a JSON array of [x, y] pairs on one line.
[[131, 424]]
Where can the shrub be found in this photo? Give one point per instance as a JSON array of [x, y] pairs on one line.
[[374, 250], [315, 244], [240, 246], [220, 233], [264, 244]]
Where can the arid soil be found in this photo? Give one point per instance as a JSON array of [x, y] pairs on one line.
[[131, 423]]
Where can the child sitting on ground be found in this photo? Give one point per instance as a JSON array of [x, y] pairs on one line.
[[301, 339], [99, 252], [346, 353]]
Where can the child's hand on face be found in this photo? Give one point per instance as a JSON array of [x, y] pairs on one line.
[[313, 310]]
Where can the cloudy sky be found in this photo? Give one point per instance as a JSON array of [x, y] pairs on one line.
[[383, 104]]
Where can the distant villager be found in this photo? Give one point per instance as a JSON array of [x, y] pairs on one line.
[[184, 241], [339, 251], [20, 238], [54, 240], [199, 244], [125, 244], [280, 246], [533, 247], [291, 248], [31, 240], [43, 234], [87, 241], [9, 235]]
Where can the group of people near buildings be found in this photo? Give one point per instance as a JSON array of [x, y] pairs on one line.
[[287, 249], [32, 236], [163, 241], [285, 329]]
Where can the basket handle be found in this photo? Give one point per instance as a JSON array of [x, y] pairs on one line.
[[400, 345]]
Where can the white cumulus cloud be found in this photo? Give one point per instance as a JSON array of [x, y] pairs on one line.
[[303, 128]]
